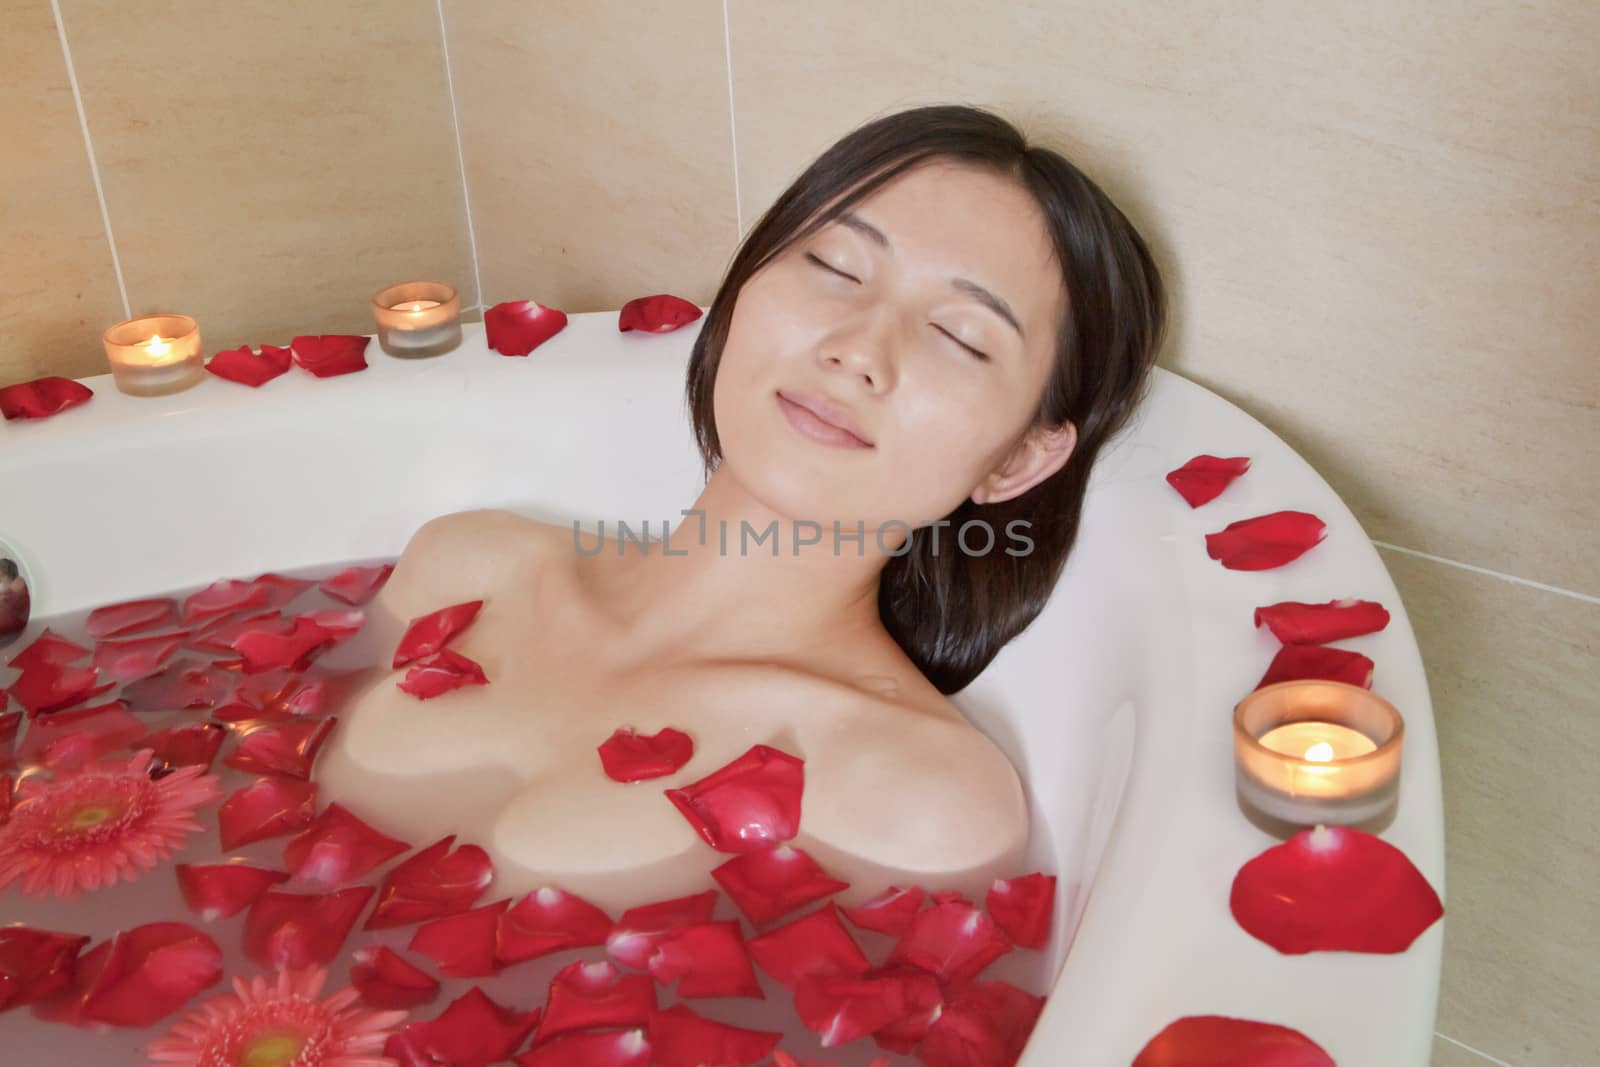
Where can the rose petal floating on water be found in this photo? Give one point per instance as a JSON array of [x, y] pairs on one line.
[[135, 657], [297, 929], [44, 688], [706, 960], [951, 940], [185, 684], [388, 980], [924, 1003], [1023, 908], [69, 740], [627, 756], [985, 1023], [1294, 662], [219, 635], [1219, 1041], [781, 1058], [1334, 889], [680, 1038], [286, 748], [427, 634], [661, 313], [5, 797], [340, 622], [356, 585], [616, 1048], [890, 912], [42, 397], [814, 944], [842, 1008], [48, 648], [194, 745], [549, 920], [1295, 623], [586, 996], [244, 366], [752, 803], [279, 589], [632, 941], [330, 354], [337, 848], [9, 724], [463, 944], [517, 327], [432, 883], [1265, 541], [474, 1031], [768, 885], [35, 964], [119, 620], [146, 973], [222, 890], [268, 807], [440, 673], [222, 598], [1204, 477], [265, 650]]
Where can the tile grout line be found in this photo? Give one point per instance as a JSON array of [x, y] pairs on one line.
[[94, 165], [1585, 597], [733, 133], [461, 156], [1469, 1048]]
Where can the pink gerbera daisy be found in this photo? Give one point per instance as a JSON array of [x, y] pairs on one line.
[[267, 1023], [107, 822]]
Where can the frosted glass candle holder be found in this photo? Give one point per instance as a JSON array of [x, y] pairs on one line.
[[1309, 752], [417, 319], [155, 354]]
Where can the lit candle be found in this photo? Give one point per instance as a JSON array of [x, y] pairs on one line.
[[155, 354], [417, 319], [1312, 751], [416, 305]]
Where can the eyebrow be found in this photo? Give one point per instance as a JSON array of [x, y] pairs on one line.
[[966, 285]]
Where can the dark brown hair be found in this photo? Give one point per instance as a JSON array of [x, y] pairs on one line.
[[950, 611]]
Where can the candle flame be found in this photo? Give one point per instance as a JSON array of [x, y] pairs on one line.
[[158, 346], [1321, 752]]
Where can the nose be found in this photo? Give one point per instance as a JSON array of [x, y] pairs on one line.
[[863, 347]]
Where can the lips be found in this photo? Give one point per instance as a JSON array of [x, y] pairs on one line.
[[824, 416]]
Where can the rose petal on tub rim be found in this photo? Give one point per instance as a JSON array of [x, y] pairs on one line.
[[1296, 623], [660, 313], [331, 354], [1203, 1040], [1264, 542], [244, 366], [1203, 478], [749, 804], [40, 398], [517, 327], [1296, 662]]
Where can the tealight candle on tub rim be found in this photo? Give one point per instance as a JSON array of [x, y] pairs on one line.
[[417, 319], [1314, 751], [155, 354]]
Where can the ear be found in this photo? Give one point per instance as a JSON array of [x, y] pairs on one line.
[[1042, 452]]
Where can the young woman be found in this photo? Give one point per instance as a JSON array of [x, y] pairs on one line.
[[918, 351]]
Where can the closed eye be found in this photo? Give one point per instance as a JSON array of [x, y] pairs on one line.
[[825, 265], [984, 356]]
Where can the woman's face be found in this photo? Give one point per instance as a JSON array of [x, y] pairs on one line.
[[924, 320]]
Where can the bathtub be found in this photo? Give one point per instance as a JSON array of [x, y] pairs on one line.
[[1115, 705]]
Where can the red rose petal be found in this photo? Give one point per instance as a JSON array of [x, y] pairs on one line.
[[265, 650], [814, 944], [706, 960], [386, 979], [843, 1008], [1218, 1041], [329, 355], [924, 1002], [269, 807], [986, 1023], [1294, 662], [42, 397], [48, 648], [632, 941], [222, 890], [69, 740], [1334, 889], [8, 738], [752, 803], [184, 685], [1295, 623], [618, 1048], [431, 884], [1023, 908], [473, 1031], [517, 327], [768, 885], [195, 745], [286, 748], [137, 657], [47, 687], [549, 920], [627, 756], [5, 802], [953, 941], [118, 620], [279, 589], [441, 672], [462, 944], [219, 635], [1265, 541], [890, 912], [222, 598], [244, 366], [585, 996], [297, 930], [148, 973], [35, 964], [337, 848], [1203, 478], [342, 623], [680, 1038], [429, 633], [356, 585], [661, 313]]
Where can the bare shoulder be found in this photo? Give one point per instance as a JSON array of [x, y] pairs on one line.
[[467, 555]]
